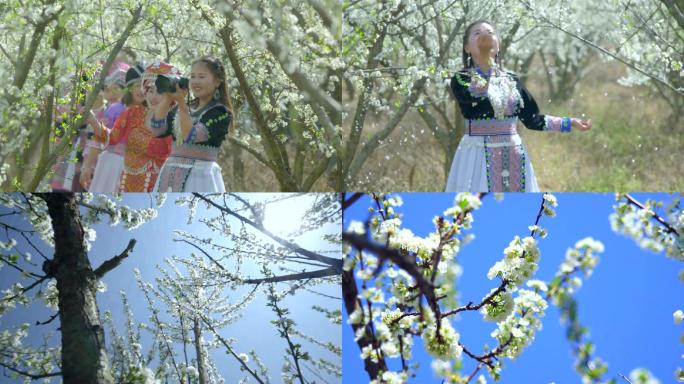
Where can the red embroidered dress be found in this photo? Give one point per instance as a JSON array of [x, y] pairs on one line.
[[144, 154]]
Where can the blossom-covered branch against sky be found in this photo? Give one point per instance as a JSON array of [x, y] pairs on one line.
[[166, 312], [391, 328]]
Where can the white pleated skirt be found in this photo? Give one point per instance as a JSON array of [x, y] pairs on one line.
[[205, 176], [491, 164], [107, 173]]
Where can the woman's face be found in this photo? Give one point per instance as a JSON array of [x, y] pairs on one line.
[[152, 96], [113, 93], [203, 82], [482, 40], [137, 92]]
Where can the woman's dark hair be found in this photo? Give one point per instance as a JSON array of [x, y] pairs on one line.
[[497, 58], [217, 69]]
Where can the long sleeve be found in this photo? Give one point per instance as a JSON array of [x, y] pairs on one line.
[[217, 121], [532, 119], [119, 133], [112, 113]]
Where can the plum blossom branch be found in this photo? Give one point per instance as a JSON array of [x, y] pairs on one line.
[[336, 263], [656, 217]]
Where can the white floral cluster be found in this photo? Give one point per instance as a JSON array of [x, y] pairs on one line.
[[499, 307], [389, 377], [394, 330], [15, 354], [650, 234], [517, 331], [442, 342], [642, 376], [582, 258], [50, 296], [550, 203], [11, 297], [519, 263]]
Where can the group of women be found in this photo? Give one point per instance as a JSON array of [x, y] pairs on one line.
[[138, 138], [154, 140]]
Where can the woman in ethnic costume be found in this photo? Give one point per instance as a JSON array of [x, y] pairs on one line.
[[144, 154], [491, 156], [102, 168], [198, 128]]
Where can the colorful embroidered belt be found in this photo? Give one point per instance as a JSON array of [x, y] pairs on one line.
[[195, 151], [492, 127]]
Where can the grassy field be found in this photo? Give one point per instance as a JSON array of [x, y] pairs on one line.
[[630, 148]]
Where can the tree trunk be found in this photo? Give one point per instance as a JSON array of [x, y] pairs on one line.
[[84, 358], [201, 366], [238, 168]]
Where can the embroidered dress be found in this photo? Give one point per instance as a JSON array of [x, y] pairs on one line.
[[144, 154], [192, 166], [110, 162], [491, 156]]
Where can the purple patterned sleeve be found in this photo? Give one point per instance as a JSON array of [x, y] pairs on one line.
[[557, 124], [112, 113]]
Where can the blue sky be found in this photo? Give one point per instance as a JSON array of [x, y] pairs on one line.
[[627, 303], [154, 243]]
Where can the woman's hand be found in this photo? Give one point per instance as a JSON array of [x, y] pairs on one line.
[[86, 176], [582, 125], [96, 124]]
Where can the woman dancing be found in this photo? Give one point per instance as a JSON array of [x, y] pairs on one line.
[[491, 156]]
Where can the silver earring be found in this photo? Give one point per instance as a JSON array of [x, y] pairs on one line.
[[217, 94], [468, 60]]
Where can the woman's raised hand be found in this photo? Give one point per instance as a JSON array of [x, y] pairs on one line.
[[582, 125]]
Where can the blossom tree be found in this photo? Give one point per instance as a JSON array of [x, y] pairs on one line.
[[193, 299], [43, 78], [399, 287], [285, 268], [66, 282], [287, 68]]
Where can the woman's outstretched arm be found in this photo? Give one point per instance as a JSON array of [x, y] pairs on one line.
[[531, 117]]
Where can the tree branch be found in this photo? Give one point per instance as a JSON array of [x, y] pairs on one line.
[[333, 262], [115, 261], [30, 375], [331, 271], [603, 50], [659, 219]]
